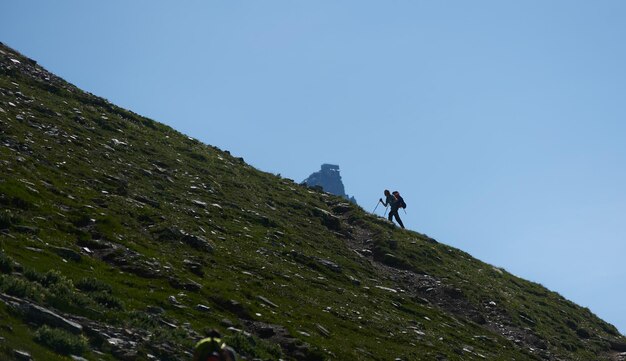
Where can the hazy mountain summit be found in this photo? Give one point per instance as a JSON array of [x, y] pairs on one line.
[[123, 239], [329, 179]]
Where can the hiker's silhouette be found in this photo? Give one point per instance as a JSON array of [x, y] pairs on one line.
[[395, 203]]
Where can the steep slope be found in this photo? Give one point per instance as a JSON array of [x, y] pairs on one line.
[[124, 239]]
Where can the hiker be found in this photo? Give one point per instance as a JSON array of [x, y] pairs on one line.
[[213, 349], [395, 203]]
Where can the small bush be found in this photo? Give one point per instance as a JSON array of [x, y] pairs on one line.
[[107, 300], [61, 296], [254, 347], [56, 289], [47, 279], [61, 341], [92, 284], [19, 287], [33, 275], [6, 264], [6, 219], [54, 277]]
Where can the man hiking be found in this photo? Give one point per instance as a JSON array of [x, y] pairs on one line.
[[395, 203]]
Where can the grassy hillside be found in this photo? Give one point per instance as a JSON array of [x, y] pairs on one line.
[[124, 239]]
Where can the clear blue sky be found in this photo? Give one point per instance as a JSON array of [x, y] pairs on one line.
[[502, 123]]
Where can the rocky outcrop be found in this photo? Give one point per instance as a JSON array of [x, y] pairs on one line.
[[40, 315], [329, 179]]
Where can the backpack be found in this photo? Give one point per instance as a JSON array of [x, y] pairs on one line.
[[399, 200]]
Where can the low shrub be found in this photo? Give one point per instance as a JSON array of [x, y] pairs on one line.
[[48, 279], [61, 341], [20, 287], [254, 347], [107, 300], [6, 219], [92, 284], [62, 296], [6, 264]]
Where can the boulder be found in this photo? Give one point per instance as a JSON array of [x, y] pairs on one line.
[[66, 253], [198, 242], [329, 220], [267, 302], [41, 315], [330, 265], [22, 355], [195, 267]]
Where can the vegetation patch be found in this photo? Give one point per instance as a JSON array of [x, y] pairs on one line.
[[61, 341]]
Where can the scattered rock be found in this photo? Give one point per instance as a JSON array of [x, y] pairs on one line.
[[130, 261], [330, 265], [342, 208], [198, 242], [199, 203], [524, 317], [226, 323], [236, 330], [169, 324], [203, 308], [41, 315], [266, 332], [96, 244], [236, 308], [322, 330], [67, 253], [34, 249], [188, 285], [392, 260], [195, 267], [329, 220], [174, 234], [159, 169], [267, 302], [22, 355], [386, 289], [117, 142], [27, 229], [148, 201]]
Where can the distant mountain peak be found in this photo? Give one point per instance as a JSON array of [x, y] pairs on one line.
[[329, 179]]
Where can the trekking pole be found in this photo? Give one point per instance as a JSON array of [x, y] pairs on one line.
[[384, 214], [404, 210], [376, 207]]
